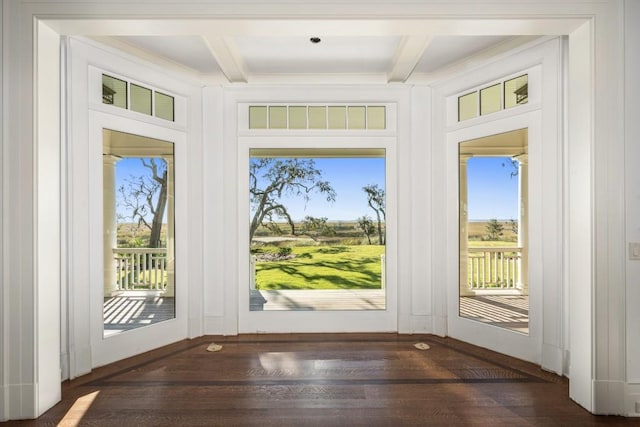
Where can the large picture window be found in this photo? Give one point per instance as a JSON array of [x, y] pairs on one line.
[[317, 229]]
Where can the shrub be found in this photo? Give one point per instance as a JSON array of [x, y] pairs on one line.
[[284, 251]]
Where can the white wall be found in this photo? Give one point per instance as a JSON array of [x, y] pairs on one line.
[[632, 183], [19, 212], [3, 322]]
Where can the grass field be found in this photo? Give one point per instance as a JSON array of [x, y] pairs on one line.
[[323, 267], [478, 230]]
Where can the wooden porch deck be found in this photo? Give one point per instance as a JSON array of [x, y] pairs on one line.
[[505, 311], [127, 312], [312, 300], [130, 311]]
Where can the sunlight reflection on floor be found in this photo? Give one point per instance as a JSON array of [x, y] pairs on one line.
[[74, 415]]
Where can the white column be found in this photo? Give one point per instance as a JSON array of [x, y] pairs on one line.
[[171, 272], [109, 223], [464, 224], [523, 223]]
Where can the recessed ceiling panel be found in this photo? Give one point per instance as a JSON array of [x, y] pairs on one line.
[[332, 55], [445, 50], [190, 51]]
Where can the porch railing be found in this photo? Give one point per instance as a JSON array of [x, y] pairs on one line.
[[494, 267], [141, 268]]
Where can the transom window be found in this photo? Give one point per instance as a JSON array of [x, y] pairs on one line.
[[123, 94], [493, 98], [352, 117]]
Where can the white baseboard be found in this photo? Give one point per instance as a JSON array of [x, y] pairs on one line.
[[64, 366], [416, 325], [552, 359], [566, 364], [79, 361], [21, 402], [195, 328], [440, 326], [214, 325], [632, 400], [4, 415], [609, 397]]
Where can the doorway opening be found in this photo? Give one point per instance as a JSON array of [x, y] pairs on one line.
[[493, 230], [138, 232], [317, 229]]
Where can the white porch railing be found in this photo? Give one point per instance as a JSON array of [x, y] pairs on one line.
[[141, 268], [494, 268]]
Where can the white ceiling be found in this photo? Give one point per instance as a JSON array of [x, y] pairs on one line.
[[254, 57]]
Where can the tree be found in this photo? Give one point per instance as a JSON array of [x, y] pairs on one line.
[[494, 229], [145, 198], [514, 226], [375, 199], [514, 166], [366, 225], [272, 178], [316, 227]]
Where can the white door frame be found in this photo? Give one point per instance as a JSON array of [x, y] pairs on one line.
[[105, 350], [87, 118], [329, 320], [547, 342], [526, 347], [239, 139]]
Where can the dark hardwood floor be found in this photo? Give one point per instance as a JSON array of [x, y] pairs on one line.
[[320, 380]]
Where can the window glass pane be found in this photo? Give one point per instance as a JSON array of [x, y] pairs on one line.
[[257, 117], [140, 99], [277, 117], [114, 91], [139, 260], [357, 117], [468, 106], [516, 91], [337, 117], [164, 106], [490, 100], [376, 118], [297, 117], [493, 231], [317, 117], [322, 249]]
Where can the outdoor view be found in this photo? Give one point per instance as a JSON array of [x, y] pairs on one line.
[[317, 231], [138, 231], [493, 262]]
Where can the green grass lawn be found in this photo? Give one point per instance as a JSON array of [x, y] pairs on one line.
[[323, 267]]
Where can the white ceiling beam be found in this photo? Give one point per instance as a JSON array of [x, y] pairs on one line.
[[304, 27], [407, 56], [228, 58]]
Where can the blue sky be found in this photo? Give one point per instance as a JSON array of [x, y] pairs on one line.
[[126, 168], [347, 176], [491, 191]]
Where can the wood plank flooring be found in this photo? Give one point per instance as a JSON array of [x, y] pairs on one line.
[[320, 380]]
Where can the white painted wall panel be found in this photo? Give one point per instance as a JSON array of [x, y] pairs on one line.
[[216, 247], [632, 182]]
